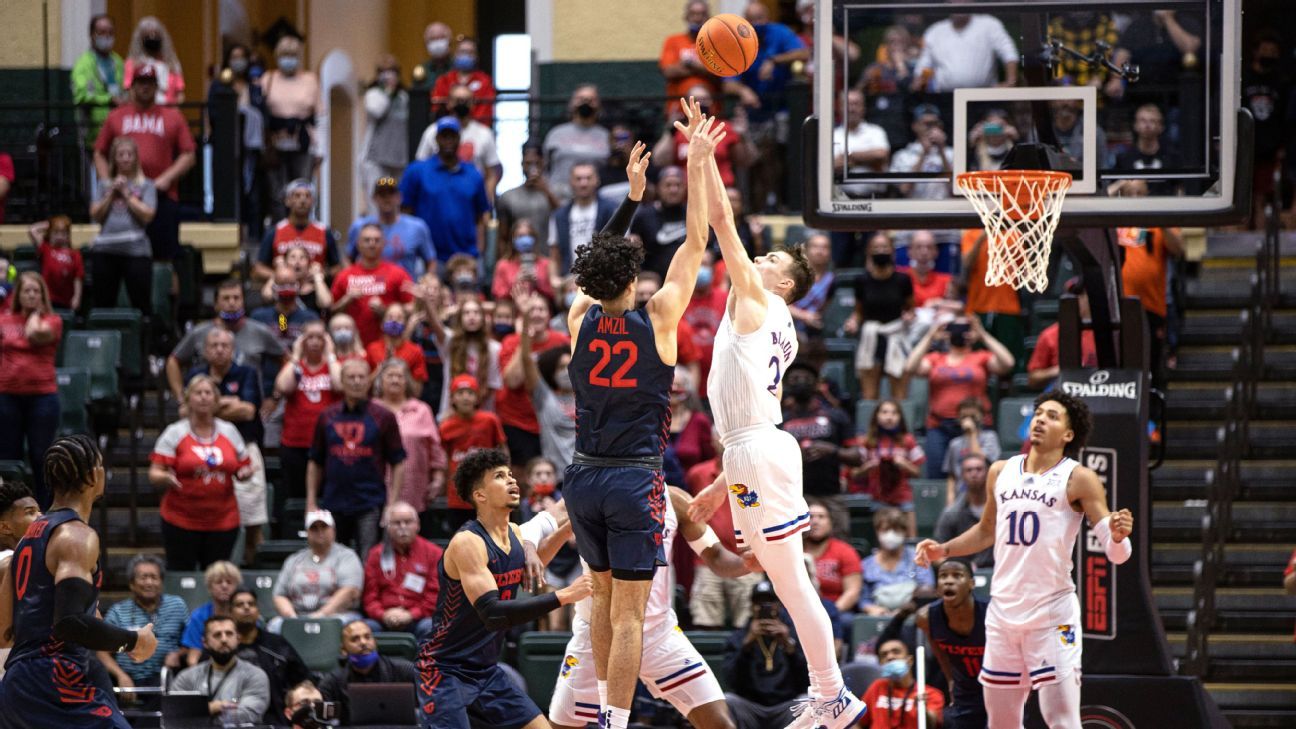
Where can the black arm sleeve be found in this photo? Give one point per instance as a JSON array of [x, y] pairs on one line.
[[74, 623], [499, 614], [621, 219]]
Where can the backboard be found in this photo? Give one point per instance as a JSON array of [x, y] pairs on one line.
[[1138, 99]]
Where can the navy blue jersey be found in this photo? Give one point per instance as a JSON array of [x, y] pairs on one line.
[[964, 651], [622, 386], [33, 616], [460, 641]]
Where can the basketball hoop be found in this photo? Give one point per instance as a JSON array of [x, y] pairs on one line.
[[1020, 211]]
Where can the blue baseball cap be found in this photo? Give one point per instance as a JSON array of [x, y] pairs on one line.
[[923, 110], [448, 124]]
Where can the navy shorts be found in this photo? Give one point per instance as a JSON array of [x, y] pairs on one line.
[[966, 716], [446, 700], [56, 692], [617, 514]]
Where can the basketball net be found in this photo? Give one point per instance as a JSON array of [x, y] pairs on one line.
[[1020, 211]]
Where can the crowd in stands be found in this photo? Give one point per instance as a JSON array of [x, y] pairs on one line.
[[370, 366]]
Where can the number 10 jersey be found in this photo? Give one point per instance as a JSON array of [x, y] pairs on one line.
[[1035, 538], [745, 384]]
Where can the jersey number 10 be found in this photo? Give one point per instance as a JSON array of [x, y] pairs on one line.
[[605, 352], [1023, 528]]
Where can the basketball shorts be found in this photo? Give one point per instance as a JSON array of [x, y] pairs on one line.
[[763, 468], [617, 514], [671, 668], [1032, 656], [56, 692], [446, 699]]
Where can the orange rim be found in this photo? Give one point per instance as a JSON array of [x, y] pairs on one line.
[[1021, 186]]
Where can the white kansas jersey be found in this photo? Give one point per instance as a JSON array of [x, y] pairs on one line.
[[660, 610], [1035, 538], [745, 383]]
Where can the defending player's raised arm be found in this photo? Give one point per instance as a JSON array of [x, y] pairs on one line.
[[668, 304], [1112, 528], [703, 540], [978, 537], [746, 287]]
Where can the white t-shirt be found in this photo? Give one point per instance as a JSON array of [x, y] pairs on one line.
[[966, 58], [476, 142], [582, 225], [904, 161], [863, 137]]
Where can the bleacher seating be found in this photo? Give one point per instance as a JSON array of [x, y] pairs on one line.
[[189, 586], [74, 393], [130, 323], [711, 644], [540, 658], [1013, 411], [99, 352], [397, 645], [929, 501], [866, 628], [317, 641]]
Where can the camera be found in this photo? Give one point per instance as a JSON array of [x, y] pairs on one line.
[[766, 611], [316, 715]]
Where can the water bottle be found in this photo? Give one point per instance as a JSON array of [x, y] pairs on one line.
[[229, 718]]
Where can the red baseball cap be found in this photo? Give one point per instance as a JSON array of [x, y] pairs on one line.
[[461, 382], [144, 72]]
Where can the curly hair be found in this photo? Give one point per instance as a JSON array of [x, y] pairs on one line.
[[799, 270], [606, 265], [1077, 418], [475, 465]]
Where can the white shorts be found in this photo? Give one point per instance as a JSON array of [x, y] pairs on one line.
[[1032, 657], [763, 468], [671, 668], [251, 494]]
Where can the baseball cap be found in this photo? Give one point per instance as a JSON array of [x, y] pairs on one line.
[[923, 110], [385, 184], [317, 516], [763, 591], [144, 72], [461, 382], [301, 183], [448, 124]]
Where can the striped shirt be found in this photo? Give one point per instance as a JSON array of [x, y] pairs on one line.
[[168, 623]]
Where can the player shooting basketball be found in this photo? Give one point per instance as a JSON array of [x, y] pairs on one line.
[[1032, 518], [622, 367], [754, 345]]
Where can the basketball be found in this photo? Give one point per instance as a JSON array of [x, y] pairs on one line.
[[726, 44]]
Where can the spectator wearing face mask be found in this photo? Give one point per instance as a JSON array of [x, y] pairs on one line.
[[286, 317], [386, 142], [892, 700], [890, 573], [705, 310], [366, 288], [679, 61], [98, 76], [294, 103], [884, 308], [476, 140], [991, 140], [734, 151], [255, 345], [466, 73], [436, 39], [821, 430], [974, 439], [346, 343], [579, 141], [534, 200], [151, 46], [394, 345], [363, 665]]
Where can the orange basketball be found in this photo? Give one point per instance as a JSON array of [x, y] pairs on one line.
[[727, 44]]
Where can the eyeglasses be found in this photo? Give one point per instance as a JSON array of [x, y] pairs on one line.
[[385, 182]]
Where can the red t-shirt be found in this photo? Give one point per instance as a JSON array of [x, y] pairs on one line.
[[408, 352], [160, 132], [314, 239], [513, 404], [7, 172], [933, 288], [891, 707], [698, 478], [478, 83], [838, 560], [723, 152], [314, 393], [25, 369], [948, 385], [387, 282], [703, 314], [1046, 349], [205, 468], [887, 483], [686, 349], [461, 436], [61, 268]]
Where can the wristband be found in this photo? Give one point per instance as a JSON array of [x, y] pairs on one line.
[[1117, 552], [538, 527], [704, 542]]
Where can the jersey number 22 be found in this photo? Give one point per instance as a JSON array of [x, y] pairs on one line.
[[606, 351]]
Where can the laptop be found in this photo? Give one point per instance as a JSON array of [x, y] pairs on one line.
[[185, 711], [382, 704]]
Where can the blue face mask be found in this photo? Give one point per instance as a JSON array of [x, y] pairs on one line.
[[393, 328], [895, 670], [705, 276], [231, 317], [464, 62], [694, 28], [364, 661], [524, 243]]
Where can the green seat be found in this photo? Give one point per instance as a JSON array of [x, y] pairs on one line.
[[711, 644], [24, 253], [74, 393], [22, 267], [981, 582], [190, 586], [16, 470], [838, 310], [861, 508], [262, 583], [866, 628], [318, 642], [130, 322], [1012, 412], [929, 501], [98, 352], [398, 645], [540, 660]]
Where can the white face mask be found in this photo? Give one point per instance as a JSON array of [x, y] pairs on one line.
[[890, 540], [438, 47]]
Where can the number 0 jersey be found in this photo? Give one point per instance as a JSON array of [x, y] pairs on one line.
[[622, 387], [747, 369], [33, 583], [1035, 538]]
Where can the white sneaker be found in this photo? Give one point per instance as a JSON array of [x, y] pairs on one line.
[[837, 713]]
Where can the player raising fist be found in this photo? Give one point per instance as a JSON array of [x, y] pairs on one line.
[[1032, 518]]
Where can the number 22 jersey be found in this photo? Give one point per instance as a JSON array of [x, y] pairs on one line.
[[1035, 538]]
